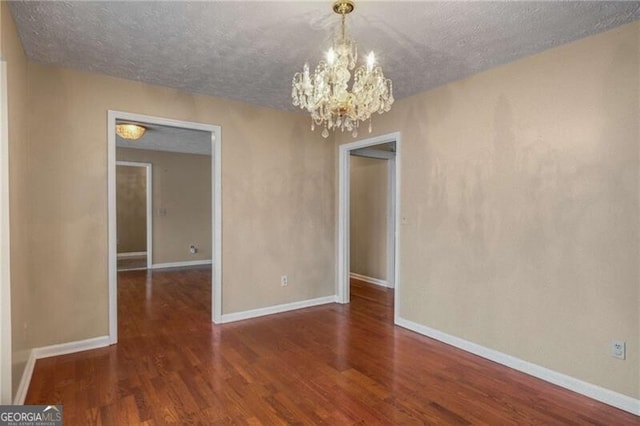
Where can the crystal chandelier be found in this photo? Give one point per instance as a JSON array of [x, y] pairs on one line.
[[325, 93]]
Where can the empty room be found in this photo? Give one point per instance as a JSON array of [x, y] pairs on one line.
[[320, 212]]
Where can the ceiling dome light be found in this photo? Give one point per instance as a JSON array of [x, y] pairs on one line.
[[130, 131], [326, 93]]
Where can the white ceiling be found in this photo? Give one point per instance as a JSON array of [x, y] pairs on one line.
[[250, 50], [172, 139]]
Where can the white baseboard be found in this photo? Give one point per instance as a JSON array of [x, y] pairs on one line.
[[131, 254], [376, 281], [71, 347], [598, 393], [254, 313], [49, 351], [180, 264], [25, 380]]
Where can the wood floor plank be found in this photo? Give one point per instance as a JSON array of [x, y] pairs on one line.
[[331, 364]]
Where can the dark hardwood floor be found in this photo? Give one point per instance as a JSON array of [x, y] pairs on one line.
[[331, 364]]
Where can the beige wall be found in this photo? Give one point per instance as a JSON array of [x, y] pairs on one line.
[[368, 221], [182, 187], [21, 294], [520, 188], [131, 206], [277, 198]]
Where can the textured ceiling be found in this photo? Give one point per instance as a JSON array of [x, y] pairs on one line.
[[250, 50], [172, 139]]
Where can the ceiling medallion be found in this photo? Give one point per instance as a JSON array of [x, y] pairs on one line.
[[326, 94], [130, 131]]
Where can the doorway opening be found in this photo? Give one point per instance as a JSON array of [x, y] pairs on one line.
[[386, 149], [155, 257], [134, 207], [371, 195]]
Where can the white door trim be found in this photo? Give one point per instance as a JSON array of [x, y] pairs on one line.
[[391, 222], [6, 387], [149, 196], [216, 209], [343, 262]]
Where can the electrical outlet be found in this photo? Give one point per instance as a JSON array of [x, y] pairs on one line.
[[284, 281], [618, 349]]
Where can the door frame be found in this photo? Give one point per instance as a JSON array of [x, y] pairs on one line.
[[391, 219], [344, 181], [149, 198], [6, 384], [216, 209]]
